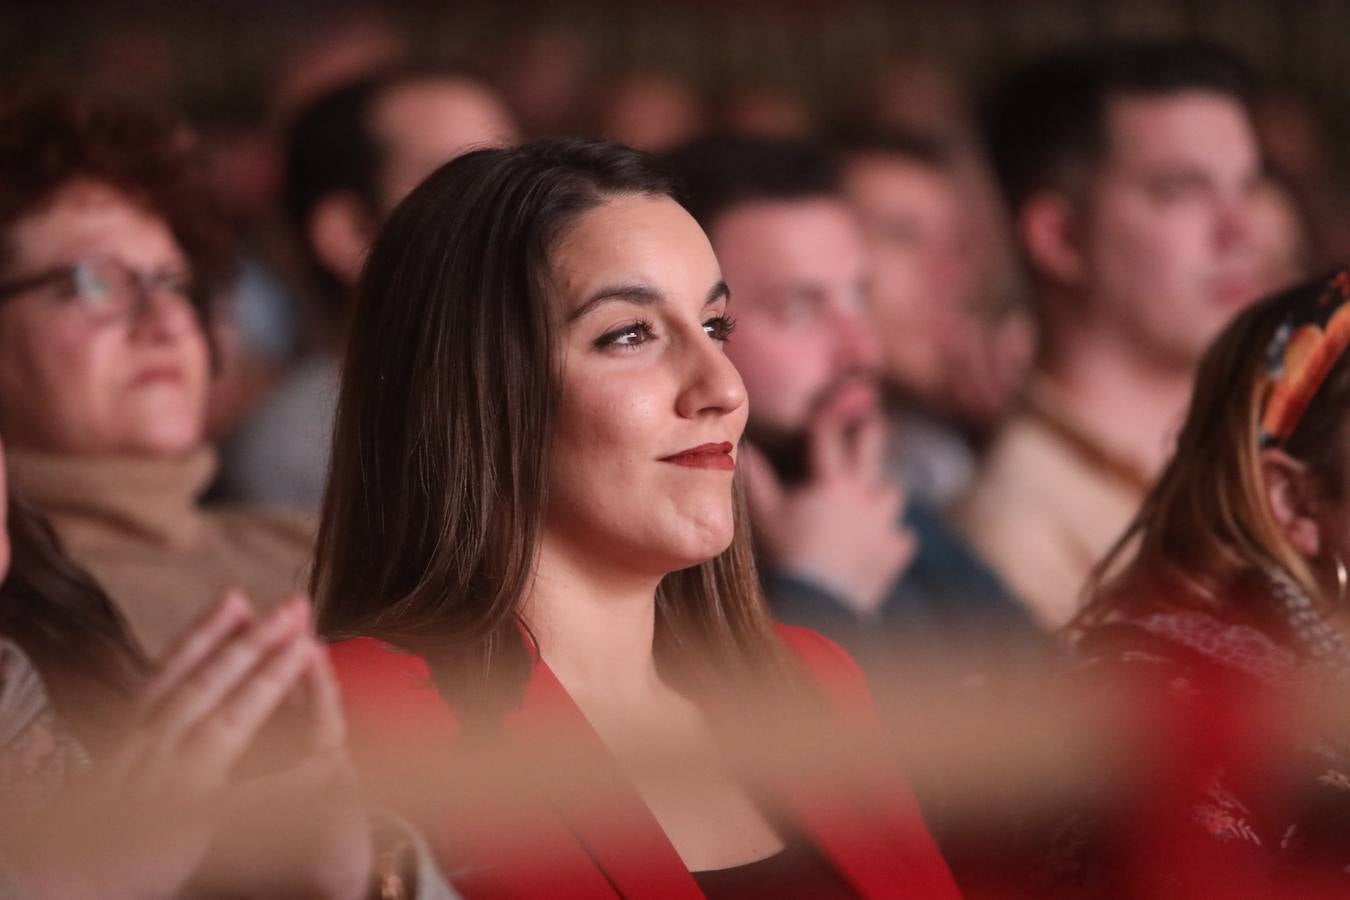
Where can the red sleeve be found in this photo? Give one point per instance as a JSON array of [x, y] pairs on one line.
[[389, 699]]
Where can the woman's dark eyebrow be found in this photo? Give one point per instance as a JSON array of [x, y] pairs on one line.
[[719, 291], [641, 294], [629, 293]]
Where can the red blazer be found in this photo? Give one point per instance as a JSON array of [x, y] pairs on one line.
[[394, 712]]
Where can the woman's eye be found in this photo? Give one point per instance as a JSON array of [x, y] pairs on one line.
[[632, 335], [177, 283], [87, 288], [720, 328]]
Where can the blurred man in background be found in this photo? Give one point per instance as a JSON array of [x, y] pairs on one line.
[[1131, 172], [353, 154], [843, 551], [951, 362]]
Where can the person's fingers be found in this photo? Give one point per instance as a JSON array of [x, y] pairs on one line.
[[200, 691], [329, 724], [218, 740], [890, 500], [907, 544], [869, 448], [230, 613], [763, 490], [828, 443]]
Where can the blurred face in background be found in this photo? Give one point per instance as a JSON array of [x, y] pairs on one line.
[[652, 112], [766, 111], [1282, 236], [922, 271], [418, 126], [799, 273], [423, 124], [101, 351], [1164, 233]]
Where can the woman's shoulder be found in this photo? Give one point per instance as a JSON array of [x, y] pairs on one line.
[[391, 691], [371, 658], [1188, 643], [829, 665], [814, 648], [388, 693]]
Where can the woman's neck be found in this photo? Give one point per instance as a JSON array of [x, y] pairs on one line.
[[595, 627]]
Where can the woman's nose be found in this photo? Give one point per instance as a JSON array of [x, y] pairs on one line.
[[160, 313], [712, 384]]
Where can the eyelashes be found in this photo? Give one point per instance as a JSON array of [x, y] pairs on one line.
[[720, 328], [635, 334], [629, 336]]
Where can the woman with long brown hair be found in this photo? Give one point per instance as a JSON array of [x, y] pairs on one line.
[[532, 498], [1228, 594]]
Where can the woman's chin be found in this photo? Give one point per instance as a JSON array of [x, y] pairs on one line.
[[164, 442], [699, 548]]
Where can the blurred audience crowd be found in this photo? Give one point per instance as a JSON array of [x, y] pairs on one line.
[[1043, 399]]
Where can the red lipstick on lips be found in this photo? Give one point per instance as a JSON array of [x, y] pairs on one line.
[[705, 456]]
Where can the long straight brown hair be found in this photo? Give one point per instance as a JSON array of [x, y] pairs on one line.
[[1206, 533], [438, 485]]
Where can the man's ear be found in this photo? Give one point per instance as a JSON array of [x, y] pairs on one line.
[[340, 230], [1289, 491], [1050, 230]]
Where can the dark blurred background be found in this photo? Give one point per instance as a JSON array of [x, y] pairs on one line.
[[237, 68]]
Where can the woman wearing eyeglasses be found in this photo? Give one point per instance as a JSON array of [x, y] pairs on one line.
[[109, 251], [1223, 613]]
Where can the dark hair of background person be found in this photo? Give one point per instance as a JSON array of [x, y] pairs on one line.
[[332, 146], [50, 139], [907, 145], [441, 451], [1045, 125], [1206, 531], [716, 174], [71, 632]]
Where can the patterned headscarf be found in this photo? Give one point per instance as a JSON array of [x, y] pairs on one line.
[[1302, 352]]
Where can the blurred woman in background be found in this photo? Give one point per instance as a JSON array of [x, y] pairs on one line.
[[1229, 593], [122, 780], [532, 501], [109, 251]]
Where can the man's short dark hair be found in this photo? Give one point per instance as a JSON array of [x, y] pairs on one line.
[[332, 146], [716, 174], [1049, 120]]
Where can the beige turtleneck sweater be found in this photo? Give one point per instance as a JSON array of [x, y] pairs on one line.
[[136, 525]]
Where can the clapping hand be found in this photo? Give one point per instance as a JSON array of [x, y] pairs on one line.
[[162, 802]]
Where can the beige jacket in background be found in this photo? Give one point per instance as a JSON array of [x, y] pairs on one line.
[[137, 526], [1045, 509]]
